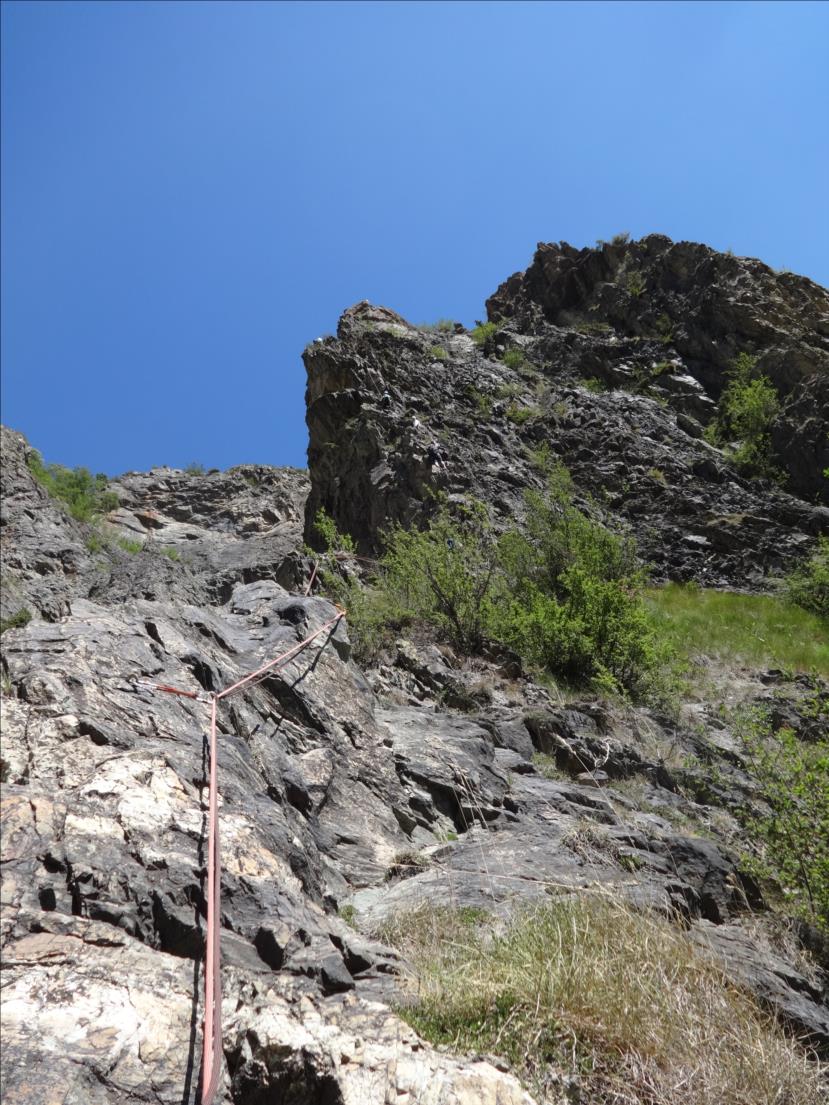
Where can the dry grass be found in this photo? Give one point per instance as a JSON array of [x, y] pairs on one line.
[[589, 988], [546, 765]]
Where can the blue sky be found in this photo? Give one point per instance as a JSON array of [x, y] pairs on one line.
[[193, 191]]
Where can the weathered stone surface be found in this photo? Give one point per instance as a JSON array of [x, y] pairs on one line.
[[116, 1023], [798, 1000]]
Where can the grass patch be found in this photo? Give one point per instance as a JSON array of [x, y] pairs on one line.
[[171, 553], [513, 358], [17, 620], [541, 458], [348, 914], [625, 1001], [756, 630], [546, 765], [129, 545], [483, 332], [481, 402], [594, 385], [438, 353], [96, 542], [519, 415], [599, 329]]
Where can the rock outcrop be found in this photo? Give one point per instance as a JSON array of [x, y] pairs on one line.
[[347, 793], [399, 415]]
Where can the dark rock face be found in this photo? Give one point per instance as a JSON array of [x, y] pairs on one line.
[[800, 437], [392, 424], [428, 778], [716, 305], [43, 549], [707, 307]]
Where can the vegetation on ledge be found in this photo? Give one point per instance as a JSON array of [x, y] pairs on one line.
[[86, 496], [563, 592]]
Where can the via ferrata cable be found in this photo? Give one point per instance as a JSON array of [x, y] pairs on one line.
[[212, 1043], [212, 1052]]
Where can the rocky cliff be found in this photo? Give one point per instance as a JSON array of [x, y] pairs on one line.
[[617, 383], [358, 794]]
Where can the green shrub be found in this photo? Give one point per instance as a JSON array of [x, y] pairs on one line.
[[195, 468], [635, 283], [446, 325], [371, 616], [665, 329], [620, 239], [573, 597], [563, 592], [171, 553], [86, 496], [333, 540], [438, 352], [17, 620], [483, 332], [513, 358], [745, 412], [444, 575], [792, 827], [441, 576], [809, 586]]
